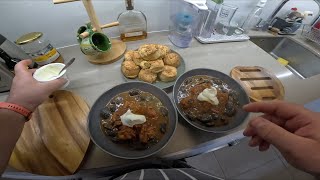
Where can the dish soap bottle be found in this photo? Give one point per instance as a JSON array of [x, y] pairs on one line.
[[253, 17], [133, 24]]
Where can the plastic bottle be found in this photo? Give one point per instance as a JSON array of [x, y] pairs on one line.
[[208, 26], [253, 17], [294, 9], [181, 34]]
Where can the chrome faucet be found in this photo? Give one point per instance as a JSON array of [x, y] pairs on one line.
[[275, 12]]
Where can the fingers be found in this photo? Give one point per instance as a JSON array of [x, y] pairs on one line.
[[264, 146], [278, 121], [22, 66], [258, 141], [249, 131], [290, 125], [277, 108], [31, 71], [273, 134], [297, 123], [54, 85], [255, 141]]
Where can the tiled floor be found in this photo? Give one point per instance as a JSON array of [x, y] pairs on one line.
[[244, 162]]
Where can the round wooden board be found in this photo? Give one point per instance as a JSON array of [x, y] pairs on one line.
[[55, 140], [115, 53], [260, 84]]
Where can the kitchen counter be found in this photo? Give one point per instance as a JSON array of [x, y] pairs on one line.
[[90, 81], [300, 91]]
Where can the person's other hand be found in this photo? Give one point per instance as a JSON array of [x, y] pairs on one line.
[[292, 129], [28, 92]]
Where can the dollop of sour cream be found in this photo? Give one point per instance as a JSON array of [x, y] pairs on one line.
[[209, 95], [129, 119], [47, 73]]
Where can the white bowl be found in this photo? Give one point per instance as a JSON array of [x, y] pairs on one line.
[[47, 73]]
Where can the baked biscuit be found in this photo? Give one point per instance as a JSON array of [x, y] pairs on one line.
[[168, 74], [163, 49], [147, 75], [130, 69], [156, 66], [149, 52], [145, 65], [172, 59], [137, 58], [128, 56]]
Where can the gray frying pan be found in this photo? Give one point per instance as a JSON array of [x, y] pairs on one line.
[[105, 143], [240, 116]]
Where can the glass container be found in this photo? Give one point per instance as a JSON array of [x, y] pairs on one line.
[[224, 17], [39, 48], [133, 23]]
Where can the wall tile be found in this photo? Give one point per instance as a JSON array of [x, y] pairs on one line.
[[274, 170], [60, 22], [207, 163], [300, 175]]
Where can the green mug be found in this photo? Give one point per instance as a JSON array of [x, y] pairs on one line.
[[81, 30], [87, 28], [95, 44]]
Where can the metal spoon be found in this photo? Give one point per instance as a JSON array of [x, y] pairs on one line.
[[67, 65]]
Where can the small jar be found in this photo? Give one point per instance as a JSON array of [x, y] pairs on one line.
[[39, 48]]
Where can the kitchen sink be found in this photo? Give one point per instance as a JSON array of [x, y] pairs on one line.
[[302, 62]]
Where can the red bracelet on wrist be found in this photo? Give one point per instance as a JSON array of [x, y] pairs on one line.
[[18, 109]]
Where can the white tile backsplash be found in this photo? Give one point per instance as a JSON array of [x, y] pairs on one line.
[[60, 22]]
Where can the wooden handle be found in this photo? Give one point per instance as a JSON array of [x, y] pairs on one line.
[[63, 1], [92, 14], [110, 25], [86, 34]]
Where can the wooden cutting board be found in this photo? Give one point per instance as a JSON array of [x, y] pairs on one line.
[[260, 84], [55, 140]]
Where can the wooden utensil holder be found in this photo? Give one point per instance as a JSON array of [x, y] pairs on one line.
[[118, 47]]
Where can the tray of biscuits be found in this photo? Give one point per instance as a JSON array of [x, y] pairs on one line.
[[153, 63]]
